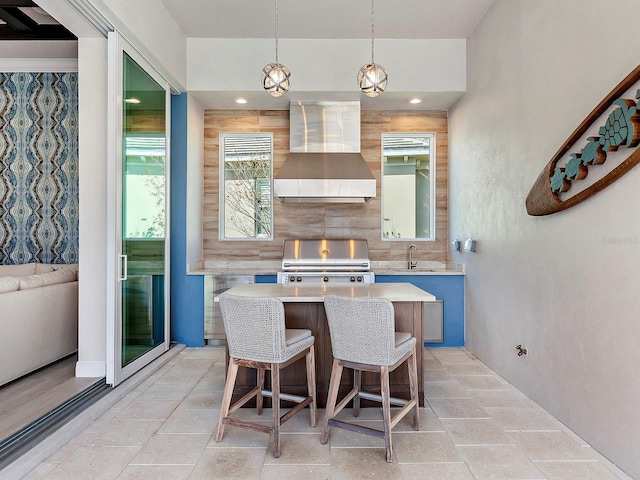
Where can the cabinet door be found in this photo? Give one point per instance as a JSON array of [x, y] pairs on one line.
[[433, 324]]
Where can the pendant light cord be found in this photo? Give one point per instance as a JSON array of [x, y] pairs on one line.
[[372, 33], [276, 2]]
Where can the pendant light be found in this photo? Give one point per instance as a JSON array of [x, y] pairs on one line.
[[372, 78], [275, 76]]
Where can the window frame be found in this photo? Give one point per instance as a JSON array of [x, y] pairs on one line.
[[222, 185], [432, 185]]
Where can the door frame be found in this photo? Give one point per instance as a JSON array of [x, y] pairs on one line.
[[115, 372]]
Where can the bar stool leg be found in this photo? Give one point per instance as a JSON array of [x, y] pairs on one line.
[[311, 385], [386, 410], [260, 383], [334, 386], [357, 383], [413, 386], [232, 372], [275, 397]]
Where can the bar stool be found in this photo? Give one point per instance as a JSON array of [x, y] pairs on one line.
[[363, 338], [257, 338]]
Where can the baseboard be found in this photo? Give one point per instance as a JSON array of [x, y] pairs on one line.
[[91, 369]]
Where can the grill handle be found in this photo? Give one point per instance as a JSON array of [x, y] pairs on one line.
[[324, 265]]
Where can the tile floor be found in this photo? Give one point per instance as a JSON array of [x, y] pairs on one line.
[[476, 426]]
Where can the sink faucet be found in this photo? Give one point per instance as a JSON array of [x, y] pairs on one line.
[[412, 263]]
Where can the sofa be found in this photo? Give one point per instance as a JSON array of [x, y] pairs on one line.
[[38, 316]]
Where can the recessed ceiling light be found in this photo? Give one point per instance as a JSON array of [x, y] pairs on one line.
[[415, 100], [242, 101], [131, 100]]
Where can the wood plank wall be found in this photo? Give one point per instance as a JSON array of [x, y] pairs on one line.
[[330, 220]]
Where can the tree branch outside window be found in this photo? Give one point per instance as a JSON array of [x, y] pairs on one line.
[[247, 186]]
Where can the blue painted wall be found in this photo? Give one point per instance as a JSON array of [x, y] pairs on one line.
[[265, 279], [187, 291], [449, 289]]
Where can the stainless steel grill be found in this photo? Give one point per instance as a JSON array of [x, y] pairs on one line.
[[326, 260]]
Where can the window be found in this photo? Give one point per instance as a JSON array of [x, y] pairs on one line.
[[246, 179], [408, 186]]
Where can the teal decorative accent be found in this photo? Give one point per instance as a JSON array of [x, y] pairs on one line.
[[592, 153], [559, 181], [618, 126], [622, 128], [574, 168]]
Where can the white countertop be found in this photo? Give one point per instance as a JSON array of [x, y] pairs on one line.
[[271, 267], [396, 292]]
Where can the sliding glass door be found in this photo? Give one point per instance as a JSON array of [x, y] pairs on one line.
[[140, 210]]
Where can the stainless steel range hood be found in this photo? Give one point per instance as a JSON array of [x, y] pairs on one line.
[[325, 164]]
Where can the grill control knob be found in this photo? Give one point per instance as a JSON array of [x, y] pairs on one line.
[[292, 278], [352, 279], [360, 279], [325, 279], [298, 279]]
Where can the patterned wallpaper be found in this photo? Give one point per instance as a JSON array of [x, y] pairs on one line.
[[38, 168]]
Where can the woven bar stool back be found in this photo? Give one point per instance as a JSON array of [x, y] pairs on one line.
[[257, 338], [363, 338]]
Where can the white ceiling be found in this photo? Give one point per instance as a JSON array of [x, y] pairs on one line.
[[411, 19]]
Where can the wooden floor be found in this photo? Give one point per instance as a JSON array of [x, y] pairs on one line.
[[29, 398]]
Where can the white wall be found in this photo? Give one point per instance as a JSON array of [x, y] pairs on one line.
[[325, 65], [38, 50], [326, 69], [195, 176], [147, 25], [92, 120], [558, 284]]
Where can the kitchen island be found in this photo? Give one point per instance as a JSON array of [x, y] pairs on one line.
[[304, 308]]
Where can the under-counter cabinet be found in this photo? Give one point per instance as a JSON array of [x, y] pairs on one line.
[[447, 288]]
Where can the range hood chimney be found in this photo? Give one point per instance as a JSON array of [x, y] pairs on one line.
[[324, 164]]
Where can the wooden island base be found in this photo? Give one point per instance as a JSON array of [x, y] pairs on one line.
[[311, 315]]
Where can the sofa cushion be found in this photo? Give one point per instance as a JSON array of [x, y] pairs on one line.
[[48, 278], [8, 284], [52, 267], [17, 270], [30, 281], [59, 276], [44, 268]]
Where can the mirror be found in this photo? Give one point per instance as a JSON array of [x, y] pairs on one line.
[[408, 186]]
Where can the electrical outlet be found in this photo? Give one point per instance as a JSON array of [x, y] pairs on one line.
[[470, 245]]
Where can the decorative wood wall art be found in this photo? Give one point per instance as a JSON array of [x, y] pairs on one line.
[[610, 133]]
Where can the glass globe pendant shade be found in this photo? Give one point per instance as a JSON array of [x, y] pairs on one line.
[[372, 79], [276, 79]]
